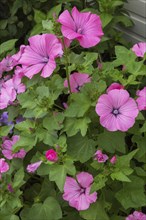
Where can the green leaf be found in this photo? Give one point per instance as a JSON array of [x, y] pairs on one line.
[[79, 106], [73, 126], [55, 10], [53, 121], [99, 182], [58, 173], [7, 46], [112, 141], [50, 209], [18, 178], [106, 19], [140, 141], [122, 167], [39, 16], [80, 148], [4, 130], [132, 194], [26, 142], [96, 211], [25, 126]]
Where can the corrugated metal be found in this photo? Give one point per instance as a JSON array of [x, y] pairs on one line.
[[137, 12]]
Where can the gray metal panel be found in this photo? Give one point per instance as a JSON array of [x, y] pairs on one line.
[[137, 12], [137, 6]]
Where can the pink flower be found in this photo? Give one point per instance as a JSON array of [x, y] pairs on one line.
[[82, 26], [40, 55], [7, 148], [113, 159], [7, 64], [4, 166], [51, 155], [31, 168], [136, 216], [117, 110], [78, 192], [100, 157], [141, 100], [139, 49], [10, 89], [77, 80], [7, 96], [114, 86]]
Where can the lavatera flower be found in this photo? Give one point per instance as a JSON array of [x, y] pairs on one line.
[[117, 110], [77, 192], [82, 26]]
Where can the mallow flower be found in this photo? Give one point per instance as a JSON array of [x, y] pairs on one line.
[[141, 100], [100, 157], [31, 168], [51, 155], [136, 216], [139, 49], [4, 166], [40, 55], [7, 148], [117, 110], [77, 192], [114, 86], [85, 27], [77, 80]]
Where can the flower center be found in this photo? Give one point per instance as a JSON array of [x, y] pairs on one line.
[[79, 30], [115, 112], [45, 59]]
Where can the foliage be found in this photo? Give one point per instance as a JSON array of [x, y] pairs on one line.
[[73, 131]]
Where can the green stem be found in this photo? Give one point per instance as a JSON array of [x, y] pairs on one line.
[[59, 107], [66, 65]]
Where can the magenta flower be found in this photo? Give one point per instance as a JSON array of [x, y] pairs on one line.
[[139, 49], [78, 192], [31, 168], [82, 26], [114, 86], [40, 55], [100, 157], [113, 159], [141, 100], [51, 155], [7, 64], [77, 80], [117, 110], [10, 188], [4, 166], [136, 216], [7, 148]]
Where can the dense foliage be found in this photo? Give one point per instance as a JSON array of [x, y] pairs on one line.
[[72, 113]]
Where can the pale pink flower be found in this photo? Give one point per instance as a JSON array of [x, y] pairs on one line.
[[10, 89], [51, 155], [40, 55], [78, 192], [4, 166], [139, 49], [7, 148], [65, 105], [114, 86], [100, 157], [141, 100], [31, 168], [117, 110], [136, 216], [77, 80], [113, 159], [82, 26], [18, 55], [7, 96]]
